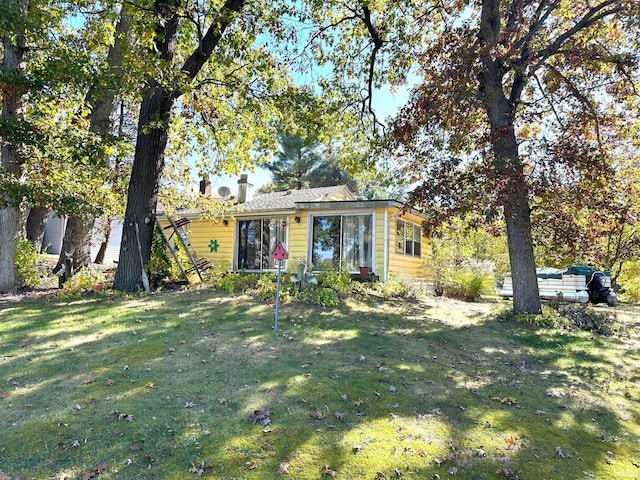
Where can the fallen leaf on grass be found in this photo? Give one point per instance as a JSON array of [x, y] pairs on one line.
[[121, 416], [327, 471], [89, 380], [262, 415], [199, 470], [97, 470], [5, 395], [510, 442]]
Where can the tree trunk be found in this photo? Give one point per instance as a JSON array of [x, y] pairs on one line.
[[36, 225], [105, 243], [142, 194], [78, 229], [508, 168], [102, 103], [153, 127], [14, 47]]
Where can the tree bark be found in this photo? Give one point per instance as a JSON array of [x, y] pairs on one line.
[[514, 196], [105, 243], [36, 225], [507, 164], [153, 126], [102, 104], [142, 194], [14, 47]]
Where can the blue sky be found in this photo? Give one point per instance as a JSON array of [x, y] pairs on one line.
[[385, 104]]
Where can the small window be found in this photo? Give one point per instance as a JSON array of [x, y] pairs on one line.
[[408, 238]]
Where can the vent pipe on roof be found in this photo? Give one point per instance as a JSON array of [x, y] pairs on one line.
[[245, 189]]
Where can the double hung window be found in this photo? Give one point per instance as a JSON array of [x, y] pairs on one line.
[[408, 238]]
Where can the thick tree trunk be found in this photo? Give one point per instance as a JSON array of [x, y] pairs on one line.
[[14, 48], [142, 194], [508, 168], [102, 103], [153, 126], [78, 230], [36, 225]]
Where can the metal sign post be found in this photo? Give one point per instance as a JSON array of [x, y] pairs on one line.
[[279, 253]]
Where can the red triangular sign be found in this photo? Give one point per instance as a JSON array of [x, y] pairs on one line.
[[280, 253]]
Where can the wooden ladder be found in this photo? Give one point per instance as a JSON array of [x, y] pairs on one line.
[[198, 265]]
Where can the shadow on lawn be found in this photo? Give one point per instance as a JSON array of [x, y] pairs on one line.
[[397, 389]]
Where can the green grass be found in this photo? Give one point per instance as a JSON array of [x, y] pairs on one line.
[[152, 387]]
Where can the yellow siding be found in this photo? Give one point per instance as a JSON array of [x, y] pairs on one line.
[[378, 255], [202, 232], [399, 262], [297, 239]]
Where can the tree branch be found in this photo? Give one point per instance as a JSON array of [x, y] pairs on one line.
[[201, 54], [594, 15]]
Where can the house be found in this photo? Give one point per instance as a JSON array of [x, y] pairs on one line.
[[325, 227], [54, 236]]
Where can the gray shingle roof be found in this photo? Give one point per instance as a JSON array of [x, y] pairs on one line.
[[286, 200]]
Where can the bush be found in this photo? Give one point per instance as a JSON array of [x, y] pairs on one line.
[[159, 265], [25, 259], [317, 295], [396, 286], [339, 281], [233, 281], [468, 284], [84, 281], [629, 281], [549, 318]]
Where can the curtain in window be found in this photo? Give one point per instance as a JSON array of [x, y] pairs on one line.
[[342, 239], [256, 240], [356, 241]]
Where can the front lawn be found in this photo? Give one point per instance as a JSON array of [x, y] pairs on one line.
[[192, 384]]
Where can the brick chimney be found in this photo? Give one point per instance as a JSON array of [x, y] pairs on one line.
[[245, 189], [205, 187]]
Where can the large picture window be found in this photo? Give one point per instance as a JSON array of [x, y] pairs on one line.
[[342, 241], [408, 238], [256, 240]]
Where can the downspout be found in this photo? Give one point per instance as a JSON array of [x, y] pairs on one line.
[[387, 220], [385, 270]]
